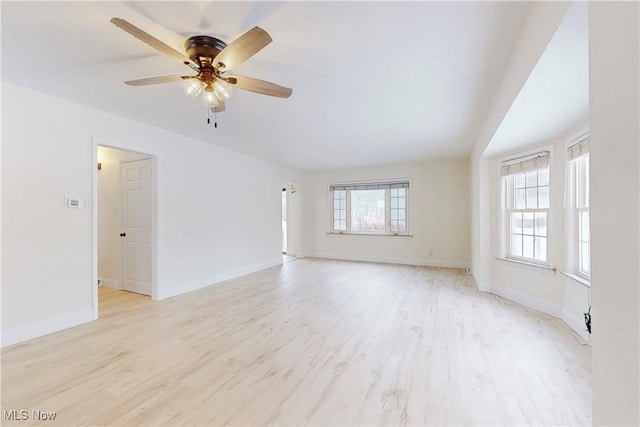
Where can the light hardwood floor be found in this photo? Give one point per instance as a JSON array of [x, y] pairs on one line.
[[313, 342]]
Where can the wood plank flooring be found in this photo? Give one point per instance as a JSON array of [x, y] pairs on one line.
[[311, 342]]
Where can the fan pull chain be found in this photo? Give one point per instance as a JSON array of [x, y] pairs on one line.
[[215, 119], [208, 114]]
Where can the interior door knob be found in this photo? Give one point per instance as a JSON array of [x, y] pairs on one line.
[[123, 234]]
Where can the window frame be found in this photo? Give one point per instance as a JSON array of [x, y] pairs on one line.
[[573, 216], [505, 186], [387, 209]]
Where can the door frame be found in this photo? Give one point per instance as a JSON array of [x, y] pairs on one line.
[[95, 142]]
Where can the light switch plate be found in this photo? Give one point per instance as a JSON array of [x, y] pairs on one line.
[[72, 202]]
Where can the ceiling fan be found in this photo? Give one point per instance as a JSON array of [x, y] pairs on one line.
[[210, 58]]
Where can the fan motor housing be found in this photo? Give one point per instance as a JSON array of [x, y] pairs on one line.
[[203, 46]]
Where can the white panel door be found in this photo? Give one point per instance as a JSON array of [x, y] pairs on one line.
[[136, 207]]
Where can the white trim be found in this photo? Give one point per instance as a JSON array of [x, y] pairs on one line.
[[577, 324], [533, 265], [480, 285], [577, 137], [213, 280], [110, 283], [154, 213], [572, 321], [47, 326], [94, 228], [408, 210], [353, 233], [578, 279], [393, 260], [529, 301]]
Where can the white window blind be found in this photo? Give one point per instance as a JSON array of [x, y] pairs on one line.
[[525, 164], [579, 149], [369, 186]]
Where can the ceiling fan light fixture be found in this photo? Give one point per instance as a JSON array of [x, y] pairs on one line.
[[210, 98], [222, 89], [210, 58], [192, 87]]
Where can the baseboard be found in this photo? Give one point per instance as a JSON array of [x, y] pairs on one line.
[[480, 285], [193, 286], [392, 260], [529, 301], [44, 327], [577, 324], [110, 283]]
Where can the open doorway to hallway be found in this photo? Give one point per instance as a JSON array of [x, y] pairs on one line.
[[284, 221], [286, 224], [125, 199]]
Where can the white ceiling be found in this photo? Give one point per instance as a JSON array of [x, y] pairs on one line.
[[554, 101], [373, 82]]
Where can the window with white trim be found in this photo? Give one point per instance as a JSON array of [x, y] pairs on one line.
[[579, 233], [378, 208], [525, 208]]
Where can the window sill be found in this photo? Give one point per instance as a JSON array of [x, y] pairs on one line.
[[371, 235], [583, 281], [528, 264]]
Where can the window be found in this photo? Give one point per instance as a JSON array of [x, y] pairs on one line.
[[579, 235], [525, 196], [370, 208]]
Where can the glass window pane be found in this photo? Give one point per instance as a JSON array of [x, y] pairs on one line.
[[532, 198], [540, 224], [543, 197], [402, 202], [541, 248], [519, 181], [543, 176], [394, 203], [586, 182], [532, 179], [402, 226], [520, 199], [401, 214], [584, 263], [393, 192], [516, 222], [527, 223], [402, 192], [527, 246], [336, 224], [394, 214], [516, 245], [367, 210], [583, 224]]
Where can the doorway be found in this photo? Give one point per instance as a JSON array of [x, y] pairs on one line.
[[124, 195], [284, 221]]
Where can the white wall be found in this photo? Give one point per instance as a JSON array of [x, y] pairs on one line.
[[615, 210], [540, 24], [546, 290], [218, 210], [110, 213], [439, 216]]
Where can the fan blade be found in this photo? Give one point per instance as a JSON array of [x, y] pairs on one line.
[[157, 80], [242, 48], [218, 108], [258, 86], [151, 41]]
